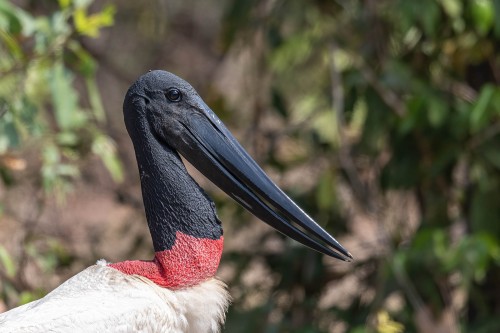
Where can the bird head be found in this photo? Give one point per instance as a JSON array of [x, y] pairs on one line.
[[178, 119]]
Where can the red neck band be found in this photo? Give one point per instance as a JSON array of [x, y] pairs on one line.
[[190, 261]]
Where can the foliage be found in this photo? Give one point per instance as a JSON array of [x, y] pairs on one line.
[[41, 108], [406, 92], [42, 111]]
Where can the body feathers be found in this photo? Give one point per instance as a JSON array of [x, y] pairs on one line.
[[102, 299]]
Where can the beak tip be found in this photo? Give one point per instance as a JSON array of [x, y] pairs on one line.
[[344, 256], [349, 257]]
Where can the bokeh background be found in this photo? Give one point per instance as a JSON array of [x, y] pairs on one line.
[[381, 118]]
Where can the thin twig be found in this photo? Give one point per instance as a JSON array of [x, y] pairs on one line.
[[388, 96], [483, 136], [410, 291], [462, 90], [345, 158], [3, 109]]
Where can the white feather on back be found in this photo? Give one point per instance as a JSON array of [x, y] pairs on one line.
[[102, 299]]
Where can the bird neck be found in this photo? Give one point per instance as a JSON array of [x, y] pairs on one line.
[[186, 233], [189, 262]]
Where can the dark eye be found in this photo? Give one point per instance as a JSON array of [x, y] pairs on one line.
[[173, 95]]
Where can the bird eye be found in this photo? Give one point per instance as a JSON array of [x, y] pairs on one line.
[[173, 95]]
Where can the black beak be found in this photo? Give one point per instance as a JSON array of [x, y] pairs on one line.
[[209, 146]]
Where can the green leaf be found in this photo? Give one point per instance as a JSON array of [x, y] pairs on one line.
[[86, 64], [89, 25], [7, 262], [358, 117], [483, 14], [35, 84], [9, 135], [11, 43], [67, 170], [68, 139], [431, 19], [296, 50], [14, 20], [65, 99], [452, 7], [479, 113], [325, 192], [414, 117], [64, 3], [27, 296], [95, 100], [104, 147], [55, 174], [325, 125], [438, 112], [385, 324]]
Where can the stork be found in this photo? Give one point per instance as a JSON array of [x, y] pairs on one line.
[[176, 291]]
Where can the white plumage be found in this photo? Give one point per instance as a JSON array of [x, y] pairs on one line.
[[102, 299]]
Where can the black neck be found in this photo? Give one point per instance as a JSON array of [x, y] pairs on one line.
[[172, 199]]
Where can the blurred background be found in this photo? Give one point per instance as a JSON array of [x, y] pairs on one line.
[[381, 118]]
